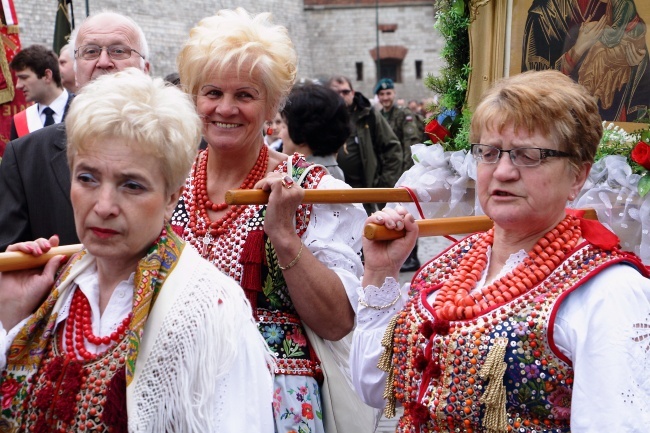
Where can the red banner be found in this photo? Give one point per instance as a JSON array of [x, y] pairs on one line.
[[11, 102]]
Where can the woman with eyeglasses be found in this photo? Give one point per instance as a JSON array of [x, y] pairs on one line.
[[537, 325]]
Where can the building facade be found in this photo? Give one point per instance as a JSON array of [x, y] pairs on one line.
[[345, 35], [331, 36]]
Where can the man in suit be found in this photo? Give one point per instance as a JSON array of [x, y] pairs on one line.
[[34, 173], [39, 78], [66, 66]]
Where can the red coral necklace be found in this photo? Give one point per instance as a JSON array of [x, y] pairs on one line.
[[455, 299], [79, 326], [198, 208]]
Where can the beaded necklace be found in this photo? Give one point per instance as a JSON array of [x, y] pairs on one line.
[[456, 300], [201, 204], [79, 326]]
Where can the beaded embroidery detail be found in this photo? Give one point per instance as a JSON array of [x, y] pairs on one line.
[[436, 365], [31, 349], [277, 319], [89, 398]]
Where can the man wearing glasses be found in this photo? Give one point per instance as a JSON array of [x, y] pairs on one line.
[[372, 155], [34, 174]]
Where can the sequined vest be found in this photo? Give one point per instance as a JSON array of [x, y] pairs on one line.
[[450, 376], [72, 395], [245, 253]]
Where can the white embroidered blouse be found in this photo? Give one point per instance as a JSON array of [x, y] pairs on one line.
[[603, 327]]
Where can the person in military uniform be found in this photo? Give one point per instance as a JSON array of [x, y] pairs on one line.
[[402, 121], [372, 156], [409, 131], [417, 108]]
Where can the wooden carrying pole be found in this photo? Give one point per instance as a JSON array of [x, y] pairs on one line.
[[428, 227], [442, 226], [352, 195], [15, 261], [432, 227]]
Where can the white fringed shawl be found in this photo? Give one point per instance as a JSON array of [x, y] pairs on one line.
[[200, 336]]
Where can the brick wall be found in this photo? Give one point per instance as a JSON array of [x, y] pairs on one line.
[[329, 39]]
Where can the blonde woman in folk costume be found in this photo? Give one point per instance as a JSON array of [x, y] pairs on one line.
[[538, 325], [296, 263], [138, 333]]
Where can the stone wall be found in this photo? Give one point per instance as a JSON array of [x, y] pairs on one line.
[[165, 23], [344, 36], [331, 37]]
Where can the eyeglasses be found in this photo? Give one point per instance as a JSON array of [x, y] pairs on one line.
[[521, 156], [115, 52], [344, 92]]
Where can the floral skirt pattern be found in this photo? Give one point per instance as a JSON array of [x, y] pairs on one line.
[[297, 405]]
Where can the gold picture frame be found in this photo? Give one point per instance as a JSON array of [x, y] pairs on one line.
[[497, 45]]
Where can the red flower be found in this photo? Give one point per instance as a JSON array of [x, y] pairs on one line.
[[298, 338], [8, 389], [560, 400], [641, 154], [436, 131], [307, 411]]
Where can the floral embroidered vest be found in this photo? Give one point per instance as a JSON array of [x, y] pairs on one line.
[[43, 389], [245, 253], [443, 372], [71, 395]]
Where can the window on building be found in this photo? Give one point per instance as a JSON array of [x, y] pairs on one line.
[[418, 69], [391, 68], [359, 66], [387, 28]]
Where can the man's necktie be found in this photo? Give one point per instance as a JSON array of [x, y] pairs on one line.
[[49, 116]]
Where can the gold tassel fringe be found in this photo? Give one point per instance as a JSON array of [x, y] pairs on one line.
[[386, 364], [494, 398]]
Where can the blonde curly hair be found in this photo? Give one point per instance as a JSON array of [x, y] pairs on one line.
[[251, 43]]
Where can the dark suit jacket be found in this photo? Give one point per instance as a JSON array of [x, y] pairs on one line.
[[14, 134], [35, 189]]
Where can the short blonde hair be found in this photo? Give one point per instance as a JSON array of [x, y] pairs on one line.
[[253, 44], [547, 102], [146, 113]]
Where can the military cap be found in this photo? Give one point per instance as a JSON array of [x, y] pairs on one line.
[[383, 84]]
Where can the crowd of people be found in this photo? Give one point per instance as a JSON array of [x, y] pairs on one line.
[[184, 313]]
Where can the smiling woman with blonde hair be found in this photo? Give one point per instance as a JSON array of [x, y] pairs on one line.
[[298, 264]]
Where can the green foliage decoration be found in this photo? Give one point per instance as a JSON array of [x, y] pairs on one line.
[[615, 141], [452, 21]]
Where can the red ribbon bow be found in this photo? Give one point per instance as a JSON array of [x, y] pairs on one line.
[[594, 232]]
